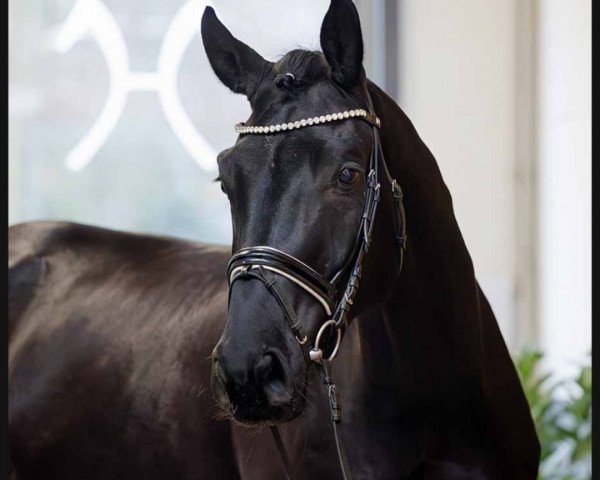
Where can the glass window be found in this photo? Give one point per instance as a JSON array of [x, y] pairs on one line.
[[116, 115]]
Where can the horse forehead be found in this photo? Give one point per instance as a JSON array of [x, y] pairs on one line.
[[255, 153], [314, 147], [341, 137]]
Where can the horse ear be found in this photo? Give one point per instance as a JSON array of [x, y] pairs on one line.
[[341, 41], [235, 63]]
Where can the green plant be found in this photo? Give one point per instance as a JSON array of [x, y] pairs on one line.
[[562, 411]]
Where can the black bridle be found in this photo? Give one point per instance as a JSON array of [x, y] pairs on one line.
[[267, 264]]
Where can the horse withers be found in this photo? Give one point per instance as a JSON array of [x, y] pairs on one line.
[[132, 356]]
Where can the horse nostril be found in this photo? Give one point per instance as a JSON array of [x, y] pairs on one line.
[[263, 368], [270, 375]]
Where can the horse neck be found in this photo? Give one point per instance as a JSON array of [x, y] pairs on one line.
[[428, 335], [431, 361]]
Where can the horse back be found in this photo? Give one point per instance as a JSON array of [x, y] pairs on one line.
[[55, 260]]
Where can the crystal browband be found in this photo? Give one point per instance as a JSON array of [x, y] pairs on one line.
[[306, 122]]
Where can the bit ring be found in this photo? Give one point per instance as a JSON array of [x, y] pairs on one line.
[[316, 354]]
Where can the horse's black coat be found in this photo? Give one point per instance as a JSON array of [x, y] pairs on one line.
[[111, 334]]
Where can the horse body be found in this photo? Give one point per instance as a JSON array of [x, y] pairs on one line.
[[111, 334], [129, 357], [110, 339]]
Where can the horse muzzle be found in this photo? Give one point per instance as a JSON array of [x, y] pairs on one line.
[[257, 389]]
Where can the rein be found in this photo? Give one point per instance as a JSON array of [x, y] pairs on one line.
[[266, 264]]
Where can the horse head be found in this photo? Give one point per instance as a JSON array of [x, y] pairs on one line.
[[297, 188]]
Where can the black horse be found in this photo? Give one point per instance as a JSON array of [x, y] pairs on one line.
[[112, 335]]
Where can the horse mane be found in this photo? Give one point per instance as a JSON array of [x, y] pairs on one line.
[[467, 356], [306, 65]]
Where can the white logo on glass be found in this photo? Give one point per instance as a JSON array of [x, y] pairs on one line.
[[94, 18]]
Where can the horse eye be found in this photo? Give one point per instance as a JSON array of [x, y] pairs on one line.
[[348, 176]]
